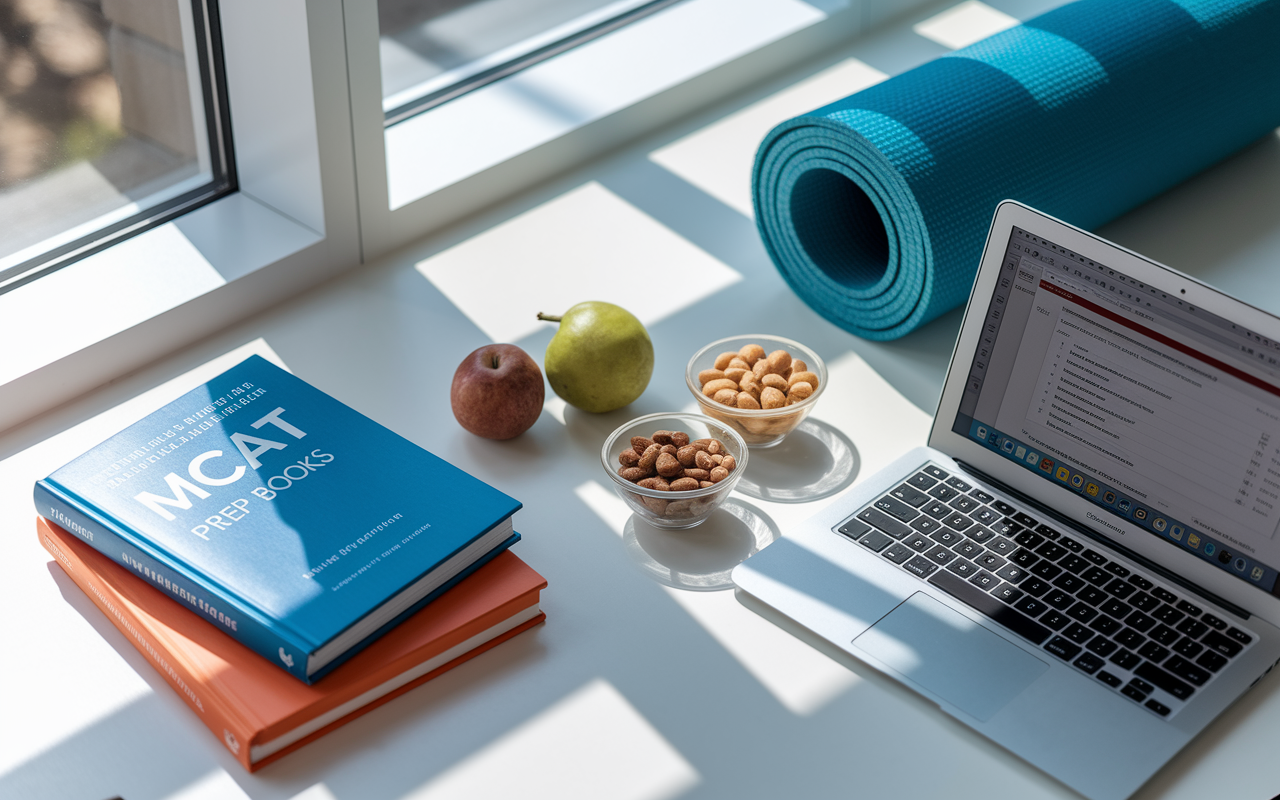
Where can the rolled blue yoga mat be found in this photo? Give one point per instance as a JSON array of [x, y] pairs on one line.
[[875, 208]]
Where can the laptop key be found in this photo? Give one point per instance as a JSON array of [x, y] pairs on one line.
[[965, 569], [1193, 628], [943, 492], [853, 529], [1120, 589], [1108, 679], [1190, 609], [940, 554], [1078, 633], [1025, 520], [1023, 557], [1211, 661], [884, 522], [991, 561], [922, 481], [957, 521], [1062, 601], [979, 534], [1095, 557], [1005, 527], [1141, 582], [1062, 648], [1133, 693], [1068, 582], [946, 536], [910, 495], [1188, 647], [1153, 652], [968, 549], [984, 580], [1096, 575], [1073, 564], [1003, 507], [1164, 680], [1012, 573], [1031, 606], [1093, 596], [1101, 645], [1239, 635], [1088, 663], [1055, 619], [1168, 615], [1051, 551], [920, 566], [1029, 539], [1071, 544], [1139, 621], [1214, 622], [1141, 685], [1221, 644], [1158, 707], [1130, 638], [1007, 592], [984, 516], [1047, 570], [936, 472], [966, 504], [897, 552], [989, 606], [1105, 625], [1164, 594], [896, 508], [1164, 635], [1115, 608], [918, 542], [956, 483], [1034, 587], [1002, 546], [1047, 532], [925, 524], [1117, 569], [982, 496], [937, 510], [1082, 612], [876, 541], [1144, 601], [1124, 659]]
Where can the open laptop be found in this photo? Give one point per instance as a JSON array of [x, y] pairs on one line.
[[1082, 564]]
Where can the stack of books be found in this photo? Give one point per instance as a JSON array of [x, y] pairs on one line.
[[285, 563]]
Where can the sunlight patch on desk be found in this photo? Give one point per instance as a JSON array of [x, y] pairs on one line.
[[216, 785], [963, 24], [555, 406], [877, 418], [717, 159], [592, 744], [800, 677], [587, 244], [610, 508]]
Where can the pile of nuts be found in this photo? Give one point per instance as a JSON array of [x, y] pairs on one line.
[[669, 462], [749, 379]]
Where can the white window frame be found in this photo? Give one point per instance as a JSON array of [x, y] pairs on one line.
[[304, 88]]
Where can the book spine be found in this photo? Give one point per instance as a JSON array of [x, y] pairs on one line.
[[233, 732], [224, 613]]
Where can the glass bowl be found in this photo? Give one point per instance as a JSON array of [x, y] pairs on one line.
[[667, 509], [763, 427]]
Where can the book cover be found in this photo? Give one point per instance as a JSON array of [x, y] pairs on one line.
[[285, 518], [260, 713]]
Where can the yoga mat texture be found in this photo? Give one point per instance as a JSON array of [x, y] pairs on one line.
[[875, 208]]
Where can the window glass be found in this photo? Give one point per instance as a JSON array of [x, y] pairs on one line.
[[108, 122], [435, 50]]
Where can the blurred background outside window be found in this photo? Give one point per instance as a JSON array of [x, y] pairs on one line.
[[108, 124], [435, 50]]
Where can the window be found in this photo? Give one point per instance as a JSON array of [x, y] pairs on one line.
[[110, 123]]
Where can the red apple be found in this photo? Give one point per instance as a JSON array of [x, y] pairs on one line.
[[497, 392]]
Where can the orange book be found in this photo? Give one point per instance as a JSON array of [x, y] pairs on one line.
[[258, 711]]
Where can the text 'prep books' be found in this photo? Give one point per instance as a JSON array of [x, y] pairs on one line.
[[257, 711], [283, 517]]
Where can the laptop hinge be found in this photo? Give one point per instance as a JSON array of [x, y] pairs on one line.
[[1084, 530]]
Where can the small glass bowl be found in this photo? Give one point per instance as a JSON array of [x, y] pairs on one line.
[[764, 427], [673, 509]]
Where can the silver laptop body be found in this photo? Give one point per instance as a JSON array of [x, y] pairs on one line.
[[1108, 439]]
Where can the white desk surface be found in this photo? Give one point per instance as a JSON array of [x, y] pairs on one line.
[[635, 688]]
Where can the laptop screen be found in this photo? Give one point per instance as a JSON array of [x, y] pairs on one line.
[[1156, 411]]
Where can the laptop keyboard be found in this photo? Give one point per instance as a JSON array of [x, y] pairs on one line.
[[1125, 629]]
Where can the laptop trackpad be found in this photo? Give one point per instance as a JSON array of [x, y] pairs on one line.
[[951, 656]]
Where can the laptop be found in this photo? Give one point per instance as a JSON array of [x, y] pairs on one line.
[[1082, 564]]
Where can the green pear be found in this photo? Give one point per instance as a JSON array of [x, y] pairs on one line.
[[600, 359]]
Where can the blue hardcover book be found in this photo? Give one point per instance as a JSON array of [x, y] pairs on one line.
[[285, 518]]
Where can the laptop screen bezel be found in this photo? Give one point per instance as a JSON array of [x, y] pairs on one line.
[[1010, 214]]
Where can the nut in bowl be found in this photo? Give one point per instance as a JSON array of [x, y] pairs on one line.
[[761, 386], [678, 480]]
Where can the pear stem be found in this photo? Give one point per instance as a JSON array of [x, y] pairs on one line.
[[548, 317]]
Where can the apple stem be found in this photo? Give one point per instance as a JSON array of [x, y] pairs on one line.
[[548, 317]]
